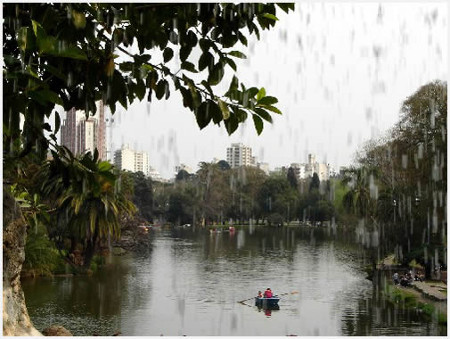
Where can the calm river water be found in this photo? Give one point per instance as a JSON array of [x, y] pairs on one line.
[[189, 283]]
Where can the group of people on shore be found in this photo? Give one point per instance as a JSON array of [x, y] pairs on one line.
[[406, 279]]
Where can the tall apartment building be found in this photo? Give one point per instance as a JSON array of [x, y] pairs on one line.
[[240, 155], [131, 160], [81, 135]]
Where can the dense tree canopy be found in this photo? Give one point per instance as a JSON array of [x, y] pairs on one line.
[[74, 54]]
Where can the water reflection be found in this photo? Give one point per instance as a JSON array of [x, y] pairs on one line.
[[191, 281]]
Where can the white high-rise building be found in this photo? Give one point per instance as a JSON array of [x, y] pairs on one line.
[[131, 160], [81, 135], [240, 155]]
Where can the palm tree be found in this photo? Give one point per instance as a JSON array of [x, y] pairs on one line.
[[88, 201]]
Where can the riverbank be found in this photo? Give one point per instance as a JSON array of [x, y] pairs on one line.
[[425, 297]]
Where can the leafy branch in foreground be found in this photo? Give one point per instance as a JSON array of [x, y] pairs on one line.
[[68, 54]]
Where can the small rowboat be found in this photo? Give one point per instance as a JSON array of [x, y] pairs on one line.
[[267, 302]]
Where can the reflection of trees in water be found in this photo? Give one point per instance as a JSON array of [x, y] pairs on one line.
[[376, 316]]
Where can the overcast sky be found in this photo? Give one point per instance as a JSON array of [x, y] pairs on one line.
[[340, 72]]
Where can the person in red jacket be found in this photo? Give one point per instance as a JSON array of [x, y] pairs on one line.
[[268, 293]]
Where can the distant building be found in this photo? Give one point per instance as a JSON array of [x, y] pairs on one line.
[[240, 155], [264, 166], [299, 170], [80, 134], [154, 175], [306, 170], [131, 160]]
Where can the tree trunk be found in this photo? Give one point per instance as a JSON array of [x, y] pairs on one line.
[[16, 321]]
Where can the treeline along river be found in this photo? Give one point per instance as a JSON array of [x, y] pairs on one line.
[[190, 282]]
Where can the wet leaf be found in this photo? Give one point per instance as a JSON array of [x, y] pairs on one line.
[[258, 123], [231, 124], [261, 94], [167, 54], [270, 16], [263, 114], [238, 54], [268, 100], [205, 60], [224, 108], [189, 66]]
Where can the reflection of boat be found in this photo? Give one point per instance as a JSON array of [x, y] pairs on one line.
[[267, 302]]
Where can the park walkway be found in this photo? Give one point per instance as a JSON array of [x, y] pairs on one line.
[[433, 290]]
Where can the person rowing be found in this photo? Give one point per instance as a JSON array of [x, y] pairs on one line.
[[268, 293]]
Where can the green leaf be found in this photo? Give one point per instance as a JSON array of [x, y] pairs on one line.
[[252, 92], [231, 124], [205, 60], [261, 94], [263, 114], [224, 108], [216, 74], [46, 96], [205, 44], [267, 101], [231, 63], [237, 54], [22, 38], [71, 52], [126, 66], [273, 109], [214, 111], [104, 166], [184, 52], [168, 54], [140, 89], [234, 84], [286, 6], [161, 89], [258, 123], [241, 115], [208, 87], [189, 66], [203, 114], [243, 39], [270, 16], [57, 122]]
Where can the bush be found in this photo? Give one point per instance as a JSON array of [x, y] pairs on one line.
[[41, 256]]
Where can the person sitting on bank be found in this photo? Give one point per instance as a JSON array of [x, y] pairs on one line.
[[260, 295], [268, 293], [396, 279], [404, 281]]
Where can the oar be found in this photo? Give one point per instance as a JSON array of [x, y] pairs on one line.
[[243, 301]]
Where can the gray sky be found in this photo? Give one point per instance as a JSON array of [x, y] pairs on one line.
[[340, 72]]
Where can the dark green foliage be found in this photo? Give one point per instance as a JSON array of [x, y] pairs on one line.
[[292, 178], [400, 183], [143, 194], [182, 175], [315, 183], [41, 255], [224, 165]]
